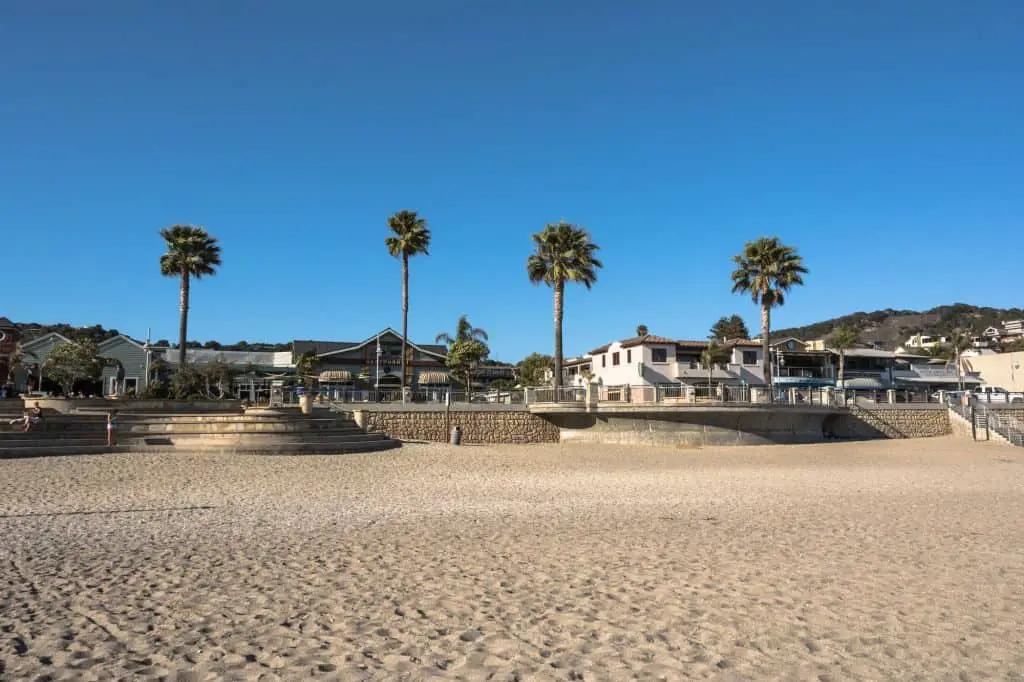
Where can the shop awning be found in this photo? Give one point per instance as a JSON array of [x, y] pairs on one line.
[[865, 384], [335, 375], [433, 377]]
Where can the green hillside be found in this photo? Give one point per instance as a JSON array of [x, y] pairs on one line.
[[891, 327]]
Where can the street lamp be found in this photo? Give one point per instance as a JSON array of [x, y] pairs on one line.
[[376, 384]]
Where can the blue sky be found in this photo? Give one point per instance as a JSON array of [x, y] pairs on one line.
[[882, 139]]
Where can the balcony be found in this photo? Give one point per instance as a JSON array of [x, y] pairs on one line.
[[693, 370]]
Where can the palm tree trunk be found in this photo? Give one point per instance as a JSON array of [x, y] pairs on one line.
[[959, 373], [405, 316], [183, 322], [842, 368], [766, 362], [559, 309]]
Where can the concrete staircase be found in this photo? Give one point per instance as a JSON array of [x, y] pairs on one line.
[[85, 433]]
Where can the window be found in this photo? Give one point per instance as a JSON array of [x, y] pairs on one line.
[[659, 355], [629, 357], [615, 359], [750, 357], [603, 361]]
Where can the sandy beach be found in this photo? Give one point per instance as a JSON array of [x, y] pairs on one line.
[[875, 561]]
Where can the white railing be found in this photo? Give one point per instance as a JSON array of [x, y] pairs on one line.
[[439, 396], [564, 394]]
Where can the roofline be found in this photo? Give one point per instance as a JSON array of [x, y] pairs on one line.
[[122, 336], [27, 344], [374, 338]]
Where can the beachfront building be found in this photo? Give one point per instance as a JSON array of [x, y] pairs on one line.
[[9, 337], [795, 364], [660, 361], [577, 372], [126, 364], [375, 363], [257, 376]]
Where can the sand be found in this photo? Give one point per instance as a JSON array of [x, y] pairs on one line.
[[876, 561]]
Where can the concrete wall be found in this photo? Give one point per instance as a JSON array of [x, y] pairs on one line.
[[75, 405], [693, 426], [1005, 370], [478, 426]]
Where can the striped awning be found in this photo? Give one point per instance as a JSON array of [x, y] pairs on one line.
[[335, 375], [434, 377]]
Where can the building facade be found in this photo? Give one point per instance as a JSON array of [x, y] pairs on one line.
[[660, 361]]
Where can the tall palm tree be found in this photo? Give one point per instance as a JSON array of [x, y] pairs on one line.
[[562, 253], [411, 237], [712, 355], [959, 341], [191, 252], [766, 270], [464, 331], [843, 338], [641, 330]]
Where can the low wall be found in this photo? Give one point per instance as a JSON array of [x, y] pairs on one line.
[[693, 426], [923, 421], [73, 405], [478, 426]]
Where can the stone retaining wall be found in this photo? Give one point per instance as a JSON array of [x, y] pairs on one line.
[[863, 423], [477, 427]]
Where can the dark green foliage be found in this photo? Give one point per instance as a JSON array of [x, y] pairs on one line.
[[891, 327]]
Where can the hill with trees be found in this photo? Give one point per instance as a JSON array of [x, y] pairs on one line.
[[891, 327], [98, 334]]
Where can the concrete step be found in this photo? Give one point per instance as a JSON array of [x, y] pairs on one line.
[[252, 448], [8, 444], [179, 440], [323, 448], [60, 451]]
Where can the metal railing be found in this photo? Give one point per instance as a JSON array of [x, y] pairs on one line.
[[564, 394], [715, 394], [1006, 424], [437, 397]]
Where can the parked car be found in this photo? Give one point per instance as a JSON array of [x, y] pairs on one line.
[[995, 394]]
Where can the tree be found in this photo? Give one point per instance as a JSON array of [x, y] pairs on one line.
[[305, 368], [71, 362], [215, 374], [766, 270], [411, 237], [842, 339], [191, 252], [212, 345], [463, 330], [563, 253], [534, 368], [729, 328], [959, 341], [712, 355], [464, 356], [641, 330]]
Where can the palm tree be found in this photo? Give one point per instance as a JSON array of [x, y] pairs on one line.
[[712, 355], [959, 341], [843, 338], [191, 252], [464, 331], [766, 270], [641, 330], [562, 253], [411, 237]]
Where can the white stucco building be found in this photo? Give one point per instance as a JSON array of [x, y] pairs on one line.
[[659, 361]]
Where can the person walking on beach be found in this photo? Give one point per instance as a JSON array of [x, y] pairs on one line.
[[112, 427]]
